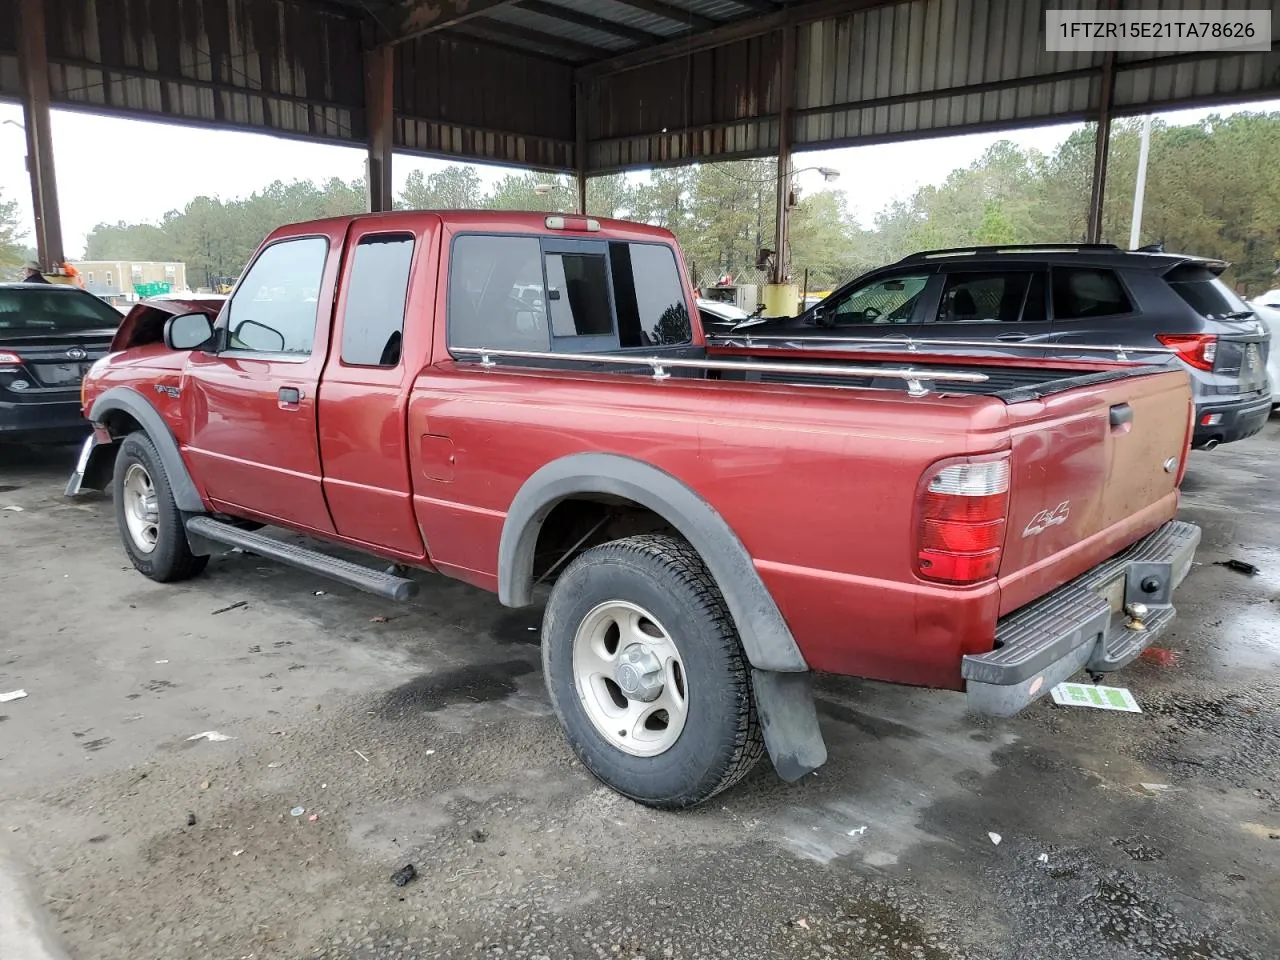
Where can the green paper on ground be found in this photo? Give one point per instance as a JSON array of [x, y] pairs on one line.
[[1101, 698]]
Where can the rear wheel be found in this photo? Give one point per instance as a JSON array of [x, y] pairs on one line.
[[647, 674], [150, 522]]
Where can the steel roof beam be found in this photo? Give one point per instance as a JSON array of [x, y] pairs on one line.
[[724, 33], [599, 24], [415, 18], [511, 31]]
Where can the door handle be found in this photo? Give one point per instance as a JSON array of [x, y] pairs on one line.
[[289, 397], [1012, 337]]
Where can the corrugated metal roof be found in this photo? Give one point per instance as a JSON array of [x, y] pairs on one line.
[[500, 87], [557, 28], [626, 15]]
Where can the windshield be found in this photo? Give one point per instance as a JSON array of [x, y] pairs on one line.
[[41, 309]]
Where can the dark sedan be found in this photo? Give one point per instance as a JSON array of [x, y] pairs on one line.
[[49, 337]]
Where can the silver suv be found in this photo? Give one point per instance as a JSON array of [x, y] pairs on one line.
[[1065, 294]]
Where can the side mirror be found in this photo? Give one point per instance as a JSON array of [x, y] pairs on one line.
[[251, 335], [187, 331]]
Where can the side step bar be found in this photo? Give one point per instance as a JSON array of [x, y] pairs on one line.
[[313, 561]]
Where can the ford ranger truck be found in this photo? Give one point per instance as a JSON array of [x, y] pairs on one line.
[[528, 404]]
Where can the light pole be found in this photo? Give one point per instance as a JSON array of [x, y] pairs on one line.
[[1140, 187]]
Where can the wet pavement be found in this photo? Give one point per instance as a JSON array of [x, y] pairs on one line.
[[421, 734]]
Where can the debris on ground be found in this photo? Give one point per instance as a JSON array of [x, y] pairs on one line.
[[162, 661], [318, 593], [1089, 695], [802, 923], [858, 831], [1043, 858], [314, 817], [995, 838], [297, 811], [232, 606], [204, 784], [15, 695], [191, 819], [428, 753], [14, 507], [402, 876], [1159, 656], [213, 736], [1239, 566], [379, 619], [236, 853], [361, 755], [479, 836], [1155, 787]]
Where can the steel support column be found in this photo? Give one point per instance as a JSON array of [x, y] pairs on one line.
[[380, 111], [1101, 150], [580, 144], [786, 97], [33, 59]]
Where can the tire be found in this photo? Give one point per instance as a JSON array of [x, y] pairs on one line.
[[150, 523], [651, 599]]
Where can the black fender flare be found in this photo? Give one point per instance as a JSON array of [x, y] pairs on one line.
[[766, 638], [127, 400]]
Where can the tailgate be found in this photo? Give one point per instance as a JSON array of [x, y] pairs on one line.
[[1093, 469]]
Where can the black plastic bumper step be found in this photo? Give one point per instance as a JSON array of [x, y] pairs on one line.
[[313, 561]]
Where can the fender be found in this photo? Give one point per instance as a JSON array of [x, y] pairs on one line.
[[766, 638], [780, 677], [127, 400]]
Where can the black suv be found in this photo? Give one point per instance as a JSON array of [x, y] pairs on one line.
[[1050, 298], [50, 334]]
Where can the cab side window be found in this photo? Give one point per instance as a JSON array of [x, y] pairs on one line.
[[275, 305], [889, 300], [496, 294], [373, 319], [1080, 294]]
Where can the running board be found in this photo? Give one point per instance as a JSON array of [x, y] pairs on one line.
[[313, 561]]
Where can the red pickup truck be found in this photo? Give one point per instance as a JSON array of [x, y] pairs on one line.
[[527, 403]]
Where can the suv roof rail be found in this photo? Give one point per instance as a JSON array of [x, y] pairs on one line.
[[1011, 248]]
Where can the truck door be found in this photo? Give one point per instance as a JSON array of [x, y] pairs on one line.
[[372, 364], [251, 407]]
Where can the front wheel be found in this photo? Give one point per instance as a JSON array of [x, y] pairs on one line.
[[149, 520], [647, 675]]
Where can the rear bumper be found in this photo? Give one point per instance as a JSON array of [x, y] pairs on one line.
[[54, 421], [1237, 419], [1081, 624]]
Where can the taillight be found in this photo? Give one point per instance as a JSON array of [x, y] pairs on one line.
[[962, 520], [8, 359], [1197, 349]]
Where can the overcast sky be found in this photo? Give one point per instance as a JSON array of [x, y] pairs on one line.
[[111, 169]]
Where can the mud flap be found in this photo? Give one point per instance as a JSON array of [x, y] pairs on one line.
[[789, 719]]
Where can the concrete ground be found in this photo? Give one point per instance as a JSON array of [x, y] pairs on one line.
[[421, 735]]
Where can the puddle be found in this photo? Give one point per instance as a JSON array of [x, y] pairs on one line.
[[477, 683]]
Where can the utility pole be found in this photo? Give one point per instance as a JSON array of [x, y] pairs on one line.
[[1140, 188]]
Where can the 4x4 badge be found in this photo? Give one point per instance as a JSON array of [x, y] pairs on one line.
[[1045, 519]]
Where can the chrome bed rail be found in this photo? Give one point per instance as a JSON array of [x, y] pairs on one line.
[[912, 344], [917, 380]]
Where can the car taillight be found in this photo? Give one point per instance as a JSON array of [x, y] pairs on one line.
[[962, 520], [1197, 349], [8, 359]]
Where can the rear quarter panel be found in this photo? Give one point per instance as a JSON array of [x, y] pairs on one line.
[[819, 485]]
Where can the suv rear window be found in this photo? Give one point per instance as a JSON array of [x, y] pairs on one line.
[[1081, 294], [1205, 293], [44, 309]]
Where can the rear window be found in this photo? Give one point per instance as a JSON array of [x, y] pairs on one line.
[[1205, 293], [40, 308], [1082, 294], [992, 298], [649, 296]]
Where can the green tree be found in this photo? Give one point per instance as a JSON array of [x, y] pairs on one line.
[[519, 191], [129, 241], [453, 188], [13, 253]]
